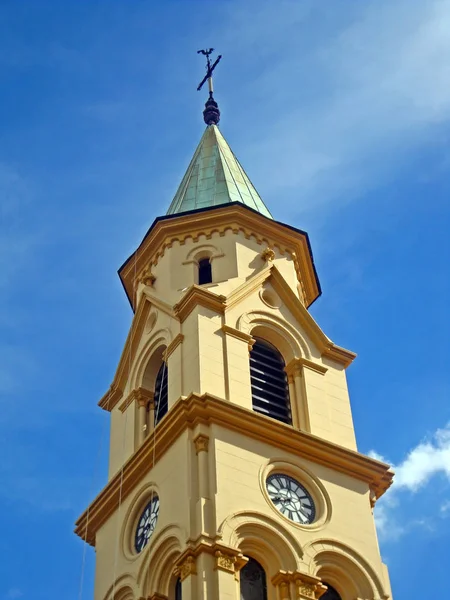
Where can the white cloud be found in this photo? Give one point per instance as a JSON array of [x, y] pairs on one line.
[[429, 458]]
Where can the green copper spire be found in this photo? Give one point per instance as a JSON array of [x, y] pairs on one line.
[[215, 177]]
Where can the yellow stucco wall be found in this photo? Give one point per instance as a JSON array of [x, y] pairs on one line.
[[217, 496]]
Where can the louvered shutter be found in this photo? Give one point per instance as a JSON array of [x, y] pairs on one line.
[[270, 391]]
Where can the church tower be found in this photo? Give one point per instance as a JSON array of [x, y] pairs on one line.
[[233, 467]]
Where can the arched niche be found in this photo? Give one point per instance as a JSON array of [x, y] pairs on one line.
[[261, 537], [148, 361], [156, 575], [122, 589], [348, 572], [276, 331]]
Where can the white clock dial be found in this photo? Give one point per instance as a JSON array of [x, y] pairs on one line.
[[146, 524], [291, 498]]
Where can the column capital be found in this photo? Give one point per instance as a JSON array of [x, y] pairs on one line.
[[282, 580], [308, 587], [201, 443], [229, 561], [186, 566], [139, 395], [156, 596]]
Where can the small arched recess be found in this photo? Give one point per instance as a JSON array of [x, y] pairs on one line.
[[155, 379]]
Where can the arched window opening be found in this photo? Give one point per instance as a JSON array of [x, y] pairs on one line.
[[253, 581], [270, 390], [330, 594], [178, 590], [204, 271], [161, 393]]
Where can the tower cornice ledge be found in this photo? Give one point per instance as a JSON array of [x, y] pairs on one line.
[[177, 228], [207, 409]]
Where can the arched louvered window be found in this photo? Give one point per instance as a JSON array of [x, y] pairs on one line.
[[330, 594], [270, 391], [161, 393], [253, 581], [178, 590], [204, 271]]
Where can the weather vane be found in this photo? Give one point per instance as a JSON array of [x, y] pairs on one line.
[[211, 114]]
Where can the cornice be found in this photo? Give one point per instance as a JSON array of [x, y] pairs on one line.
[[249, 286], [297, 364], [324, 344], [197, 295], [341, 355], [239, 335], [232, 217], [128, 353], [159, 304], [111, 398], [189, 412]]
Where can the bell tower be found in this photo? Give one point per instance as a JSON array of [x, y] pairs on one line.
[[233, 467]]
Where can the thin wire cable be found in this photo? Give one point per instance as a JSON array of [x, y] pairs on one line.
[[116, 553], [92, 490]]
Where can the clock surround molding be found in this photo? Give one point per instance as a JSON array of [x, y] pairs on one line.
[[308, 480], [131, 520]]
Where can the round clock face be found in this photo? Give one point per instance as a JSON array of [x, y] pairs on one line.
[[146, 524], [291, 498]]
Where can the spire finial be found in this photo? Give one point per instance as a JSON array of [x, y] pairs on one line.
[[211, 114]]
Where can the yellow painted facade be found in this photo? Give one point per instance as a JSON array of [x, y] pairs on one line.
[[208, 459]]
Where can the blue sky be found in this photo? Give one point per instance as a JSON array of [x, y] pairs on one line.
[[340, 113]]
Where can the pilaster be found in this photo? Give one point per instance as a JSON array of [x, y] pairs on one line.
[[237, 366], [204, 511]]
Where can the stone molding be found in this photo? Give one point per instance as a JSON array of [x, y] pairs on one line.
[[178, 339], [307, 587], [233, 217], [186, 566], [197, 295], [268, 255], [146, 277], [207, 409], [201, 443], [239, 335], [140, 395], [296, 366]]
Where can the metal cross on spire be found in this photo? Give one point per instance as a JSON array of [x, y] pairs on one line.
[[211, 114]]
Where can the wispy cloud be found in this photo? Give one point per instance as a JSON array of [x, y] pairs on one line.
[[13, 593], [353, 102], [429, 458]]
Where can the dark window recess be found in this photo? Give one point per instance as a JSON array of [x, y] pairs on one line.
[[253, 581], [330, 594], [204, 271], [161, 390], [270, 391], [178, 591]]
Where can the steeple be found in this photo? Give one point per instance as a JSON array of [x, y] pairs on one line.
[[215, 177]]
